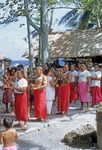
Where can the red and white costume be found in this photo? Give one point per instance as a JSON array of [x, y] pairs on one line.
[[96, 87], [21, 102]]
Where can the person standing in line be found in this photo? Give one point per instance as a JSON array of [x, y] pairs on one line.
[[74, 84], [96, 85], [101, 76], [7, 90], [84, 86], [31, 91], [13, 78], [45, 68], [50, 91], [66, 69], [63, 85], [40, 109], [9, 136], [21, 101]]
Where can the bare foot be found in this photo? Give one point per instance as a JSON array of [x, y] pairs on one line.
[[64, 114], [12, 114], [82, 110], [24, 126], [87, 110]]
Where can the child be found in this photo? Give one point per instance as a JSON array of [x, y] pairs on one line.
[[9, 135]]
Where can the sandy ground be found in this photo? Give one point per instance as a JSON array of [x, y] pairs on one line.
[[48, 136]]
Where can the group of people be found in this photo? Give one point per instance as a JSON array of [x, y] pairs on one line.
[[65, 85]]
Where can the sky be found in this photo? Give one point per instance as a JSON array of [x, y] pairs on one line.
[[12, 43]]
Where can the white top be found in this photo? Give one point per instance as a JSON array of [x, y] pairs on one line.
[[96, 82], [83, 75], [74, 74], [50, 90], [20, 84]]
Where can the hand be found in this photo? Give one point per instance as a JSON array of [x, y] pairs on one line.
[[57, 85], [35, 88], [89, 89]]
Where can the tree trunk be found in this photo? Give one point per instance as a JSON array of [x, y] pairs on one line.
[[51, 20], [98, 23], [28, 34], [43, 35]]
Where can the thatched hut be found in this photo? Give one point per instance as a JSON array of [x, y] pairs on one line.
[[86, 44], [4, 63]]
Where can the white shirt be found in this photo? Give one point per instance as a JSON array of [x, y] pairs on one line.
[[96, 82], [83, 75], [20, 84], [74, 74], [50, 90]]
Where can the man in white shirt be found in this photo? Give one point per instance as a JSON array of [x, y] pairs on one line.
[[96, 85]]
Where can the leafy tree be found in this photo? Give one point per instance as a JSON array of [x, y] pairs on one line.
[[90, 12], [37, 11], [30, 9]]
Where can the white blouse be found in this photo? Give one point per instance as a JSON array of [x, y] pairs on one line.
[[74, 74], [83, 75], [96, 82], [20, 84]]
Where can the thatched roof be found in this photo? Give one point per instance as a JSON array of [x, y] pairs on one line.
[[2, 57], [77, 44], [74, 44]]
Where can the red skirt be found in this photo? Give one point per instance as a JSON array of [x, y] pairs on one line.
[[73, 92], [96, 95], [21, 107], [63, 98], [7, 95], [40, 109]]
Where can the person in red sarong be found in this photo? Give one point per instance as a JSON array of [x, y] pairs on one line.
[[21, 102], [40, 108], [96, 85], [74, 84], [7, 89], [64, 92]]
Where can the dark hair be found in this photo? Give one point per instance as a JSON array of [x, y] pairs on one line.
[[46, 64], [8, 70], [14, 68], [20, 67], [96, 64], [8, 122], [46, 71]]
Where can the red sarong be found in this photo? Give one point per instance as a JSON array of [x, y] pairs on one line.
[[96, 95], [73, 92], [7, 95], [40, 109], [63, 98], [21, 107]]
